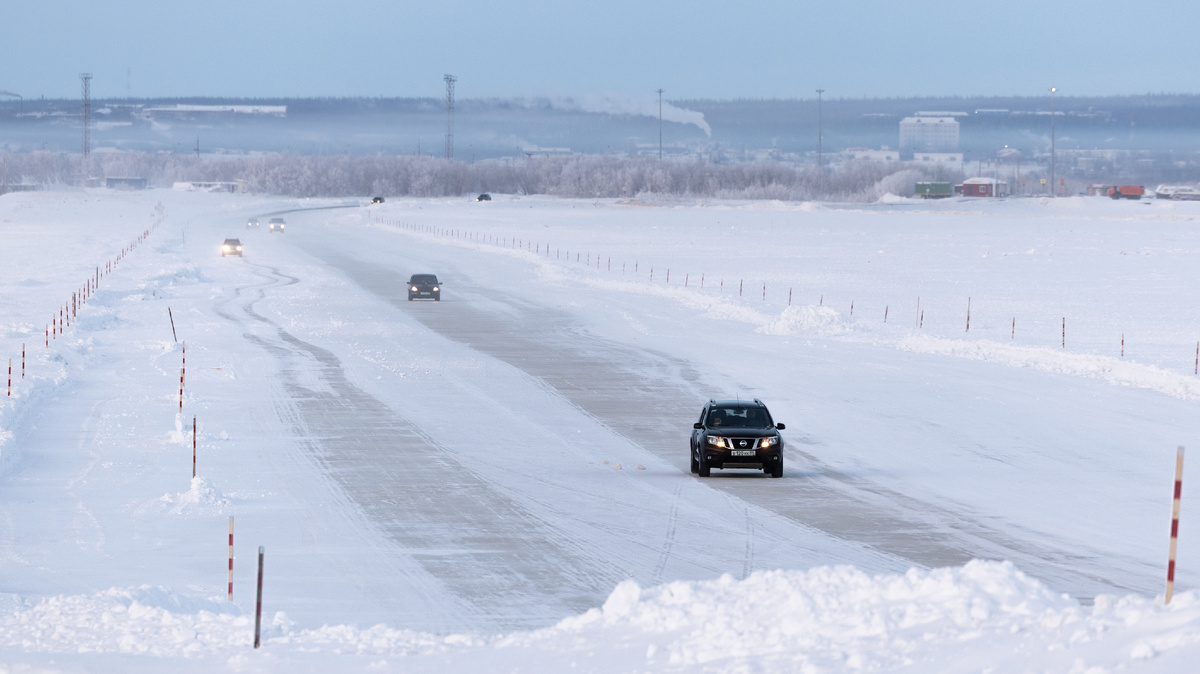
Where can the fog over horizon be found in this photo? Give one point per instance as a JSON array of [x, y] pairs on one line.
[[731, 84]]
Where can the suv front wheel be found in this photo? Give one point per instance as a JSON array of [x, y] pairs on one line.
[[776, 469]]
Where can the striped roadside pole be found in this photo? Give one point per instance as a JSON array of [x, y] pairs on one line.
[[231, 558], [1174, 524]]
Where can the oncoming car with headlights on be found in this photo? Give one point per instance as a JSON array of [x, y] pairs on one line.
[[736, 434], [424, 287], [231, 247]]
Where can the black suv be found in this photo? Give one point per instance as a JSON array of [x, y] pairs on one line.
[[424, 286], [737, 434]]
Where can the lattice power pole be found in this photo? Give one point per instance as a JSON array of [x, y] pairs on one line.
[[450, 80], [86, 79]]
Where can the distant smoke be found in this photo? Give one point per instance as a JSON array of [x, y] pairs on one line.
[[647, 106]]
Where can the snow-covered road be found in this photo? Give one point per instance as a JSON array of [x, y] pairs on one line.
[[505, 458]]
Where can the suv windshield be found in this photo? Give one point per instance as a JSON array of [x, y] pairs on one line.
[[423, 279], [727, 416]]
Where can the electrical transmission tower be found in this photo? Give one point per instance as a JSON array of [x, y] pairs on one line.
[[450, 80], [86, 79]]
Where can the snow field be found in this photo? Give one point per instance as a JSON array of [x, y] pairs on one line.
[[111, 550]]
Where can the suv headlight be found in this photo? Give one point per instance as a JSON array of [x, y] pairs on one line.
[[769, 442], [435, 289], [414, 289], [716, 441]]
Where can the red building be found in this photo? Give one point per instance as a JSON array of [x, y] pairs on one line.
[[984, 187]]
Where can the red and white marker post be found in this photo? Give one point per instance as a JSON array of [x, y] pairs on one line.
[[10, 377], [231, 558], [193, 448], [1174, 524], [181, 390]]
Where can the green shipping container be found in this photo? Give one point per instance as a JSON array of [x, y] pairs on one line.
[[934, 190]]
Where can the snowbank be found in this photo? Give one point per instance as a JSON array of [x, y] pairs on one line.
[[825, 619]]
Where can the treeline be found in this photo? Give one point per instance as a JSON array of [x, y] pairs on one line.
[[400, 176]]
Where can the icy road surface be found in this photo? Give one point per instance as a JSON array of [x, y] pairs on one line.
[[503, 459]]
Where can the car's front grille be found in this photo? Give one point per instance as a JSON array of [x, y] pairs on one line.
[[743, 443]]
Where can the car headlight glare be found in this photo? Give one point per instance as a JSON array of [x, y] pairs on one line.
[[716, 441], [435, 289], [414, 289], [769, 442]]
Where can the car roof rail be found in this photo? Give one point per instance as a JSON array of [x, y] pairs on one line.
[[759, 402]]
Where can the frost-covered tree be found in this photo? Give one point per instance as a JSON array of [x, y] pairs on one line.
[[401, 176]]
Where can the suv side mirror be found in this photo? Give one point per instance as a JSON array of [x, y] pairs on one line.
[[698, 425], [780, 426]]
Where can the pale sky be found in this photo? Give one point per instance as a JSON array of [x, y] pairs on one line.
[[692, 49]]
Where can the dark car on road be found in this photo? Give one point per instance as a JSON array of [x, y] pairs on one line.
[[736, 434], [231, 247], [377, 200], [484, 197], [424, 287]]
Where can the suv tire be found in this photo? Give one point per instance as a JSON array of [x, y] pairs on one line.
[[695, 464], [702, 469], [777, 469]]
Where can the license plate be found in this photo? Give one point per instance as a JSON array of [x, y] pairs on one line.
[[743, 452]]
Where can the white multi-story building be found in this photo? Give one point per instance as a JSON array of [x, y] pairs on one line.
[[882, 155], [929, 134], [949, 160]]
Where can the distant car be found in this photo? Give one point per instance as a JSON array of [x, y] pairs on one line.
[[252, 222], [736, 434], [276, 225], [231, 247], [484, 197], [424, 286], [377, 200]]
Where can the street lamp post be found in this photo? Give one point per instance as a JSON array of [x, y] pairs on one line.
[[819, 135], [1053, 90], [660, 93]]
